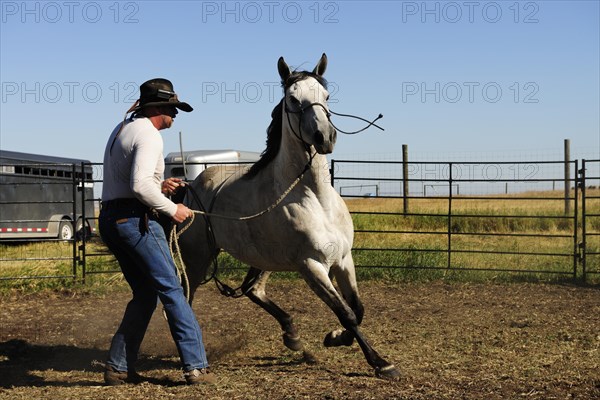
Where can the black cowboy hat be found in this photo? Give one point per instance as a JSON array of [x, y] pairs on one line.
[[159, 92]]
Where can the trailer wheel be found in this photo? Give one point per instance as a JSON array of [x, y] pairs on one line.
[[65, 230]]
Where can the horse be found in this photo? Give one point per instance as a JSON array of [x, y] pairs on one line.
[[306, 226]]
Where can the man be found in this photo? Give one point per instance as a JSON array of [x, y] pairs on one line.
[[132, 198]]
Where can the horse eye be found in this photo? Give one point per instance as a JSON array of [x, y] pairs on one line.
[[294, 100], [327, 98]]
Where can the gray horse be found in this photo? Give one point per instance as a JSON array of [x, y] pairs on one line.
[[307, 228]]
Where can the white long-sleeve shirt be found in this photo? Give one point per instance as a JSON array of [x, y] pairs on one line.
[[134, 167]]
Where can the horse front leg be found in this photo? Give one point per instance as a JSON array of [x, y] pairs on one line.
[[345, 277], [254, 287], [316, 276]]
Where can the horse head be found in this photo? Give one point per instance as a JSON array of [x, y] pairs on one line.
[[305, 106]]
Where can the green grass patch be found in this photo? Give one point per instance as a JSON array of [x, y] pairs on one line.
[[503, 239]]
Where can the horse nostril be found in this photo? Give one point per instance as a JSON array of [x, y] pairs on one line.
[[319, 138]]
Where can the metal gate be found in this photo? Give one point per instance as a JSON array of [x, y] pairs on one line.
[[590, 217]]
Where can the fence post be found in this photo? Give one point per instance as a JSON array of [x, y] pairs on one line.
[[331, 173], [405, 189], [74, 219], [450, 216], [583, 246], [82, 249], [567, 175], [576, 222]]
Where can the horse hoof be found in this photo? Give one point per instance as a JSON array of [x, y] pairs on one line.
[[388, 372], [338, 337], [309, 357], [292, 342]]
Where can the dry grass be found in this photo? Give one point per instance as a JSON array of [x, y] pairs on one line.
[[526, 203], [412, 244], [480, 231]]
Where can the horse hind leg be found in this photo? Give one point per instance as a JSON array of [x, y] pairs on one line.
[[254, 287]]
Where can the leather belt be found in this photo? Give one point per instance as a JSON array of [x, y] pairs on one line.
[[124, 203]]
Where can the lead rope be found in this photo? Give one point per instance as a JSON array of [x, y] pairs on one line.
[[370, 123], [178, 259], [266, 210]]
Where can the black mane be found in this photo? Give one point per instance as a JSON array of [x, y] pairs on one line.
[[273, 142], [275, 129]]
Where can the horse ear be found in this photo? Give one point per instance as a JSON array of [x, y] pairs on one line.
[[284, 70], [321, 66]]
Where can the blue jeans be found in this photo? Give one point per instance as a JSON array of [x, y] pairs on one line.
[[139, 244]]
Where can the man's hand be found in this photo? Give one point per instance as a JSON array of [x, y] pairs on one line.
[[170, 185], [182, 213]]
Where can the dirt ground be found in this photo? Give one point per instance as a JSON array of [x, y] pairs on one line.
[[450, 341]]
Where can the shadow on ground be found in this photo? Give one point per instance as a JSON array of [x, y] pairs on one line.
[[21, 362]]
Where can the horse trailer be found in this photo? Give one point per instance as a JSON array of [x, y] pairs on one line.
[[193, 163], [41, 197]]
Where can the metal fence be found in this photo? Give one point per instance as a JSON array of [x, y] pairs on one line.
[[42, 219], [517, 217], [525, 217], [590, 226]]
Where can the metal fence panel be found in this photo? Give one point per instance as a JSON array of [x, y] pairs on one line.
[[590, 210], [472, 216], [503, 217]]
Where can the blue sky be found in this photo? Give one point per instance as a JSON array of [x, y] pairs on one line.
[[479, 79]]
